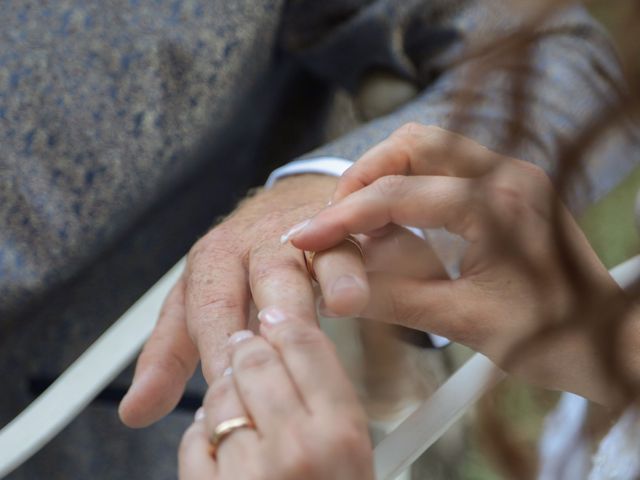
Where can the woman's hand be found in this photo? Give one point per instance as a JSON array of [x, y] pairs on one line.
[[308, 421], [515, 276]]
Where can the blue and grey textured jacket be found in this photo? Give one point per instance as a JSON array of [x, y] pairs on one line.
[[128, 126]]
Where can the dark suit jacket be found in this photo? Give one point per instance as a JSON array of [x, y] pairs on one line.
[[128, 126]]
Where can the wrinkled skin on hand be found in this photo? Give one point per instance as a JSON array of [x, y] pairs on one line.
[[240, 266], [239, 262]]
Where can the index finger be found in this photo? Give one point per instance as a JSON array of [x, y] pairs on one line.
[[426, 202], [416, 149], [312, 362]]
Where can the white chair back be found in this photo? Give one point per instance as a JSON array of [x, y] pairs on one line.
[[119, 345]]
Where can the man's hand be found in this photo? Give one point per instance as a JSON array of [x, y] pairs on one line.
[[239, 262]]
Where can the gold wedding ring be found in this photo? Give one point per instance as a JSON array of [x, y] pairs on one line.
[[226, 428], [309, 257]]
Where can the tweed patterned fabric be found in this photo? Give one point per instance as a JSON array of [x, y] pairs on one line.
[[101, 107], [127, 126]]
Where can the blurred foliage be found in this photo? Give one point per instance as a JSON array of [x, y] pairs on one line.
[[609, 226]]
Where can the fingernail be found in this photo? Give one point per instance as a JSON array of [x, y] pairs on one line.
[[240, 336], [329, 204], [295, 230], [346, 282], [227, 371], [271, 315], [199, 415], [324, 310]]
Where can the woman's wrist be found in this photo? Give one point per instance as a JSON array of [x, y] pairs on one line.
[[599, 376]]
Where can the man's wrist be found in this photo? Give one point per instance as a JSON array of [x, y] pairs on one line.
[[306, 187]]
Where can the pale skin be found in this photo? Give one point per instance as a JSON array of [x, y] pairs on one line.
[[240, 266], [308, 420], [428, 177], [209, 304], [239, 261]]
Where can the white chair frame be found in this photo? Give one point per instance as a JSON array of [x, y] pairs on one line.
[[55, 408]]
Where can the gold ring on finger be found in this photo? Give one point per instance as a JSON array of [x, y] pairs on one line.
[[226, 428], [309, 257]]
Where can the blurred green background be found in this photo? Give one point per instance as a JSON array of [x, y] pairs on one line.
[[611, 229]]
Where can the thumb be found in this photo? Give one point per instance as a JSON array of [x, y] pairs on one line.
[[166, 363], [443, 307]]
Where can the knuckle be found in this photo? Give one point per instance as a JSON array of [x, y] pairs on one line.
[[349, 439], [404, 312], [281, 269], [219, 242], [427, 136], [223, 233], [200, 248], [437, 142], [301, 459], [510, 202], [391, 185], [535, 172], [271, 224], [221, 304], [300, 336], [218, 392], [206, 311], [254, 359], [261, 273], [411, 129], [425, 144], [276, 217]]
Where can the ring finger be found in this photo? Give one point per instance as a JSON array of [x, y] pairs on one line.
[[222, 403]]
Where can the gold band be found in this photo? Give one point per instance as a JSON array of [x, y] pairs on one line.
[[356, 243], [309, 257], [226, 428]]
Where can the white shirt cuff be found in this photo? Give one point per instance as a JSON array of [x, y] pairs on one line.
[[332, 166], [335, 167]]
